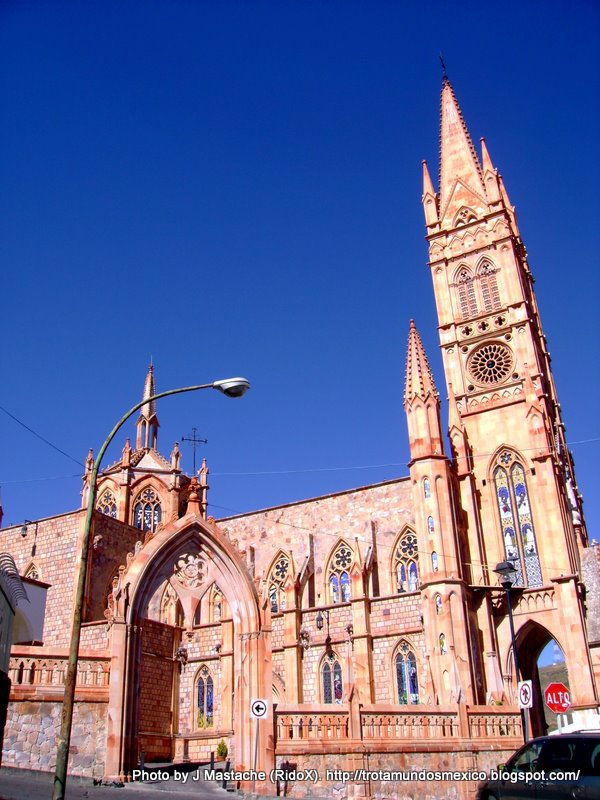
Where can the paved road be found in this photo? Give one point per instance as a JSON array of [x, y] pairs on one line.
[[18, 784]]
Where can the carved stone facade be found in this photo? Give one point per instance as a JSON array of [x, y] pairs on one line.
[[371, 618]]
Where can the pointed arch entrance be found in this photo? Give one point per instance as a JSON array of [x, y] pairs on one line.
[[532, 640], [150, 660]]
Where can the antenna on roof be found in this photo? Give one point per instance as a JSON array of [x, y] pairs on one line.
[[195, 442]]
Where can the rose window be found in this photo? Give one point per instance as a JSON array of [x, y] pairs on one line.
[[490, 363]]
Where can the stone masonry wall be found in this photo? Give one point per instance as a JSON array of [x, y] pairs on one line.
[[156, 690], [50, 545], [111, 541], [32, 730], [590, 568], [350, 515], [458, 759]]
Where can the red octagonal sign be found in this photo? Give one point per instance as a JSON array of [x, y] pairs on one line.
[[557, 698]]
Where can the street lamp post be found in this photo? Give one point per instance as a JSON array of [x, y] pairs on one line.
[[506, 572], [231, 387]]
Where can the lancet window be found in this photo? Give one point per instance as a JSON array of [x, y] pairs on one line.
[[338, 578], [331, 675], [205, 698], [489, 286], [170, 607], [107, 504], [516, 520], [467, 299], [147, 510], [407, 682], [277, 578], [406, 559]]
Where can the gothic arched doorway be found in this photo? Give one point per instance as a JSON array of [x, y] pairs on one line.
[[541, 660], [157, 667]]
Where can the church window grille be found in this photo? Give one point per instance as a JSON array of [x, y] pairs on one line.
[[339, 577], [277, 579], [406, 560], [147, 511], [426, 488], [489, 286], [107, 504], [331, 672], [467, 299], [205, 699], [407, 682], [516, 520], [490, 363]]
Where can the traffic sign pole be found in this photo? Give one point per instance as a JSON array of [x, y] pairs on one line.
[[255, 757]]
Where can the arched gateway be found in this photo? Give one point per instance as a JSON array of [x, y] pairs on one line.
[[157, 669]]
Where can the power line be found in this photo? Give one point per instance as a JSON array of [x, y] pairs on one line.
[[39, 436]]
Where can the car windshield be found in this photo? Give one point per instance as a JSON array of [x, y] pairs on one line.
[[526, 760]]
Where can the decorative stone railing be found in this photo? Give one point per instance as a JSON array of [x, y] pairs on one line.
[[419, 723], [411, 723], [331, 723], [30, 674], [487, 722]]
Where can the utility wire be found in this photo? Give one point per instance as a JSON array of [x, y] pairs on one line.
[[39, 436]]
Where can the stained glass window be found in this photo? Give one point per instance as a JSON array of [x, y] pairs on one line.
[[339, 577], [147, 511], [406, 558], [516, 519], [407, 682], [277, 579], [107, 504], [439, 606], [443, 645], [430, 524], [426, 488], [434, 561], [204, 699], [332, 680]]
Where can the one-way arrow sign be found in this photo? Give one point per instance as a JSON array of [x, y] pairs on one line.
[[259, 709]]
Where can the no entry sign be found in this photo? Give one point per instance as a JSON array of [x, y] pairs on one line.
[[557, 698]]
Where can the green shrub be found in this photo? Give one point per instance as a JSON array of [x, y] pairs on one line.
[[222, 749]]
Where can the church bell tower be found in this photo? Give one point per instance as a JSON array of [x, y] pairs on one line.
[[517, 492]]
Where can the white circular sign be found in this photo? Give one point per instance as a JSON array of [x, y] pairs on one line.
[[525, 694], [259, 709]]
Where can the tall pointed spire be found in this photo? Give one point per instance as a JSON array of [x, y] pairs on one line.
[[458, 159], [429, 199], [147, 424], [421, 401], [419, 379], [149, 410]]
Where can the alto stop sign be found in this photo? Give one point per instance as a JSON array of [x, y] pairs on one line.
[[557, 698]]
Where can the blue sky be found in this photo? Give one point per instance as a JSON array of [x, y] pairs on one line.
[[234, 188]]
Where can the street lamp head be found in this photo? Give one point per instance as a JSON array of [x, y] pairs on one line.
[[232, 387], [319, 621], [506, 572]]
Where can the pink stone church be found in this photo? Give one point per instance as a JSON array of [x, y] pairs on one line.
[[371, 619]]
